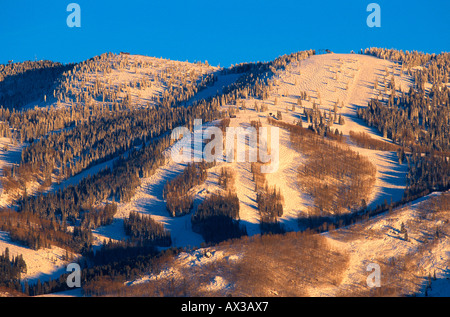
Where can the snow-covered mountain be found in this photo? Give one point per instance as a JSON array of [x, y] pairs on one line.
[[332, 85]]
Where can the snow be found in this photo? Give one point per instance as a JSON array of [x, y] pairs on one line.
[[76, 292], [359, 72], [133, 68], [42, 264]]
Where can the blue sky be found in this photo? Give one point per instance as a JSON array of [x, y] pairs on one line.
[[221, 32]]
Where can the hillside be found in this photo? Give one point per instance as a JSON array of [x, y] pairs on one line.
[[336, 261], [390, 177], [334, 202]]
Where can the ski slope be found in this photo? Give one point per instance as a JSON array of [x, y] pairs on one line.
[[348, 79]]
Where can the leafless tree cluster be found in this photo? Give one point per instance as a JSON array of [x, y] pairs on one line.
[[266, 266], [269, 199]]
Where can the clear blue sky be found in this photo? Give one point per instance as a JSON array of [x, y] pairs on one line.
[[222, 32]]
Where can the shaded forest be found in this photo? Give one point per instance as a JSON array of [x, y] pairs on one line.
[[101, 121], [217, 218], [25, 82]]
